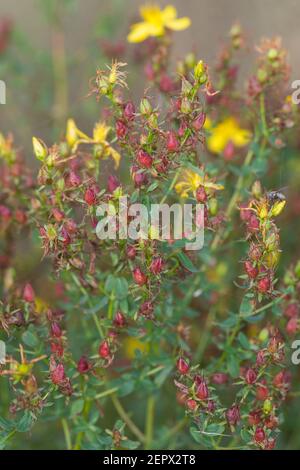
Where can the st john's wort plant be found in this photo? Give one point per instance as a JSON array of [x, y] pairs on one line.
[[178, 345]]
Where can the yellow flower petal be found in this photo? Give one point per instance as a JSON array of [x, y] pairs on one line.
[[169, 13], [139, 32], [100, 132], [150, 13], [178, 24], [116, 156]]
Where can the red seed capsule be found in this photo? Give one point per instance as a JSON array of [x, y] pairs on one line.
[[156, 265], [198, 123], [74, 179], [229, 151], [58, 214], [56, 330], [104, 350], [191, 404], [83, 365], [251, 270], [131, 252], [254, 417], [90, 196], [201, 194], [144, 159], [219, 378], [172, 142], [262, 393], [112, 183], [182, 366], [233, 415], [119, 320], [58, 374], [250, 376], [139, 277], [121, 129], [28, 293], [292, 326], [129, 111], [259, 435], [264, 285], [202, 391]]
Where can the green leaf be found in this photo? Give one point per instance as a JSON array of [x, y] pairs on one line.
[[246, 307], [187, 263], [30, 339], [196, 434], [77, 407], [25, 422], [233, 366], [163, 375], [244, 340]]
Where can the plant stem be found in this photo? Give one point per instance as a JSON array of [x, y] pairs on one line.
[[126, 418], [173, 182], [149, 422], [79, 437], [234, 199], [67, 434]]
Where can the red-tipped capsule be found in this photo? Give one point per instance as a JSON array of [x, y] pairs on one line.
[[182, 366]]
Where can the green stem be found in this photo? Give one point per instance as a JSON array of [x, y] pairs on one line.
[[173, 182], [126, 418], [67, 434], [79, 437], [149, 422], [234, 199]]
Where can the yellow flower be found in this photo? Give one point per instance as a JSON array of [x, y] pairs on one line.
[[225, 132], [104, 148], [132, 344], [155, 22], [189, 182], [74, 136]]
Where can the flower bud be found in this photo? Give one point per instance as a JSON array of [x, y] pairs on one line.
[[145, 107], [182, 366], [40, 149], [200, 72], [185, 107]]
